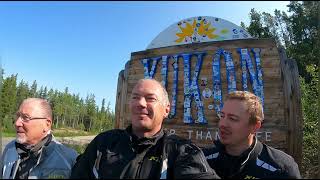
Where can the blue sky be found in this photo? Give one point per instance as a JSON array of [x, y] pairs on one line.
[[84, 45]]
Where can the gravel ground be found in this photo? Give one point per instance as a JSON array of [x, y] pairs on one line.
[[68, 140]]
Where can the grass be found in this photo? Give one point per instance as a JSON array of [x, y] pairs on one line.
[[8, 134], [67, 132], [79, 148], [60, 132]]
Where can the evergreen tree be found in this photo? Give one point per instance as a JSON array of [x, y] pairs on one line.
[[298, 32], [256, 27], [304, 26], [33, 89], [8, 102], [90, 111], [22, 92]]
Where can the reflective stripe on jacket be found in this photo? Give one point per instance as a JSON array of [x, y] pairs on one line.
[[259, 161], [117, 154]]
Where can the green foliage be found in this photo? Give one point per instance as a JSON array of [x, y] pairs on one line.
[[257, 28], [8, 134], [8, 124], [8, 105], [69, 132], [69, 110], [78, 147], [298, 32], [310, 106], [1, 120]]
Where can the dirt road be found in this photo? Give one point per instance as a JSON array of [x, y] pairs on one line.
[[80, 140]]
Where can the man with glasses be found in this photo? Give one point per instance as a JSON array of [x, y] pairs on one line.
[[143, 150], [35, 153]]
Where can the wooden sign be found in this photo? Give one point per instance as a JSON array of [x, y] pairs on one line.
[[198, 76]]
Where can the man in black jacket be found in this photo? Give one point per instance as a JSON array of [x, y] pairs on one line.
[[143, 150], [238, 153]]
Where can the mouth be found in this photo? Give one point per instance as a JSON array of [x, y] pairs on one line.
[[223, 133], [142, 116], [142, 113], [20, 132]]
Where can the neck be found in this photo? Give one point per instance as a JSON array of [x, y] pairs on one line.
[[143, 133], [238, 149], [37, 142]]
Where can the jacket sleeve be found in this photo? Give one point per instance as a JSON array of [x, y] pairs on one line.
[[1, 164], [83, 168], [191, 163], [293, 170]]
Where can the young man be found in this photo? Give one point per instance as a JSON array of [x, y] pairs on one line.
[[143, 150], [237, 153], [35, 153]]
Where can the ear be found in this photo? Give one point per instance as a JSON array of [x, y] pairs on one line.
[[256, 127], [48, 124], [167, 110]]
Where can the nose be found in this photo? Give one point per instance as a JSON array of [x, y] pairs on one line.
[[222, 122], [142, 102], [18, 122]]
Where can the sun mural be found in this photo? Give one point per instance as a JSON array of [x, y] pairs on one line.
[[196, 31]]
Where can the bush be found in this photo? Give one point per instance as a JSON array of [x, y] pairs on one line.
[[79, 148], [310, 107]]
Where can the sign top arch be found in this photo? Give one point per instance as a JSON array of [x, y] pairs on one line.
[[198, 29]]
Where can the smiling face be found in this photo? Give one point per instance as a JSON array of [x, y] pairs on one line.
[[31, 132], [148, 107], [234, 126]]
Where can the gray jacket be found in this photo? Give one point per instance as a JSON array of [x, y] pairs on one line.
[[55, 161]]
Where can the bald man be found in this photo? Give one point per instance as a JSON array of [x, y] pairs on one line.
[[35, 153], [143, 150]]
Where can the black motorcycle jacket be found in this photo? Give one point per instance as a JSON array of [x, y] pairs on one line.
[[259, 161], [120, 154]]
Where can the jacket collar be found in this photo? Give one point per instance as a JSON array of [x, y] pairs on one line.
[[25, 151], [251, 153], [140, 144], [47, 149]]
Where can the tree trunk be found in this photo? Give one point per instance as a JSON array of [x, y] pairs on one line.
[[57, 123], [90, 125]]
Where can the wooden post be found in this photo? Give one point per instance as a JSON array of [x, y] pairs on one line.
[[118, 99], [292, 105]]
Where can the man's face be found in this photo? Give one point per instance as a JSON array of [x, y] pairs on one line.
[[147, 108], [32, 131], [234, 127]]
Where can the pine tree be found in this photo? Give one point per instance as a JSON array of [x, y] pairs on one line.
[[22, 92], [33, 89], [8, 101]]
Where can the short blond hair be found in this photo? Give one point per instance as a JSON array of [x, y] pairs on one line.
[[253, 102]]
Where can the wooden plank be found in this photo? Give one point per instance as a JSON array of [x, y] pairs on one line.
[[118, 99], [232, 44]]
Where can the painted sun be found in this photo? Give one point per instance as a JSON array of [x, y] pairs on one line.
[[195, 29]]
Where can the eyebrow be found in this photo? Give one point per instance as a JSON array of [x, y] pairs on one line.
[[233, 115], [230, 114], [22, 113], [149, 94]]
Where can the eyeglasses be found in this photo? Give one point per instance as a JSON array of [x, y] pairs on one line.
[[26, 118]]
